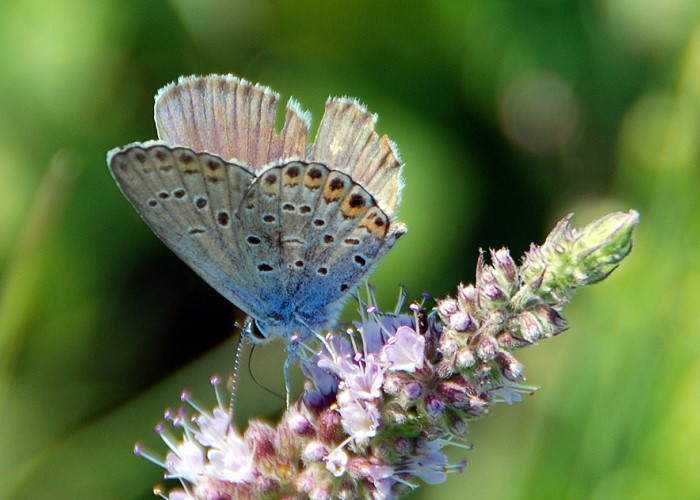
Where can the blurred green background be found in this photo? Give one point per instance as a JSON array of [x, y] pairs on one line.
[[508, 115]]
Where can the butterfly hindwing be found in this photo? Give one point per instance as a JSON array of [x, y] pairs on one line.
[[372, 161], [311, 234], [231, 117]]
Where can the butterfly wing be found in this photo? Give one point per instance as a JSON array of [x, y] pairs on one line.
[[309, 235], [231, 117], [189, 200], [347, 141]]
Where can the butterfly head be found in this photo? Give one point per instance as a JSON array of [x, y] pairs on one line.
[[253, 332], [260, 331], [297, 323]]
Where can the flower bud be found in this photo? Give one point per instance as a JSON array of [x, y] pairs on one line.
[[550, 320], [511, 368], [459, 393], [527, 326], [504, 265], [571, 258], [412, 391], [314, 451], [393, 383], [261, 438], [434, 407], [394, 414], [486, 350], [330, 428], [483, 373], [462, 322], [493, 293], [465, 358], [300, 425], [445, 368], [458, 426], [467, 297], [448, 347], [479, 404], [486, 276], [447, 307], [454, 393], [600, 246]]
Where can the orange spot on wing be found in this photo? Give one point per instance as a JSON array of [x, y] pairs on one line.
[[376, 223]]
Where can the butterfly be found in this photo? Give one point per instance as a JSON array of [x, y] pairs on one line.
[[283, 229]]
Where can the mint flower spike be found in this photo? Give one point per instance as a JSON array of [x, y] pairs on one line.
[[384, 397]]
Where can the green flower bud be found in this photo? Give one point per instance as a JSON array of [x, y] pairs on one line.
[[600, 246]]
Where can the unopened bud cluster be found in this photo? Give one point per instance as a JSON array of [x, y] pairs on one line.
[[384, 397], [513, 306]]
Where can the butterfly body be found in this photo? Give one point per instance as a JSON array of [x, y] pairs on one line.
[[282, 230]]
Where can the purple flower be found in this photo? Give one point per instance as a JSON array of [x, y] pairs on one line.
[[232, 462], [186, 461], [429, 464], [360, 419], [404, 351]]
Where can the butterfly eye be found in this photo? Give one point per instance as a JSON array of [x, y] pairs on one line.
[[253, 331]]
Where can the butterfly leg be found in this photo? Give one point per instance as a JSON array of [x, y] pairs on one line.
[[287, 381], [293, 354]]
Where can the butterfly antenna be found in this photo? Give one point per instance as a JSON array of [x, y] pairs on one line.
[[254, 378]]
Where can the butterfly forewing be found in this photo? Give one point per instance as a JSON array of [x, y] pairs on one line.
[[190, 200]]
